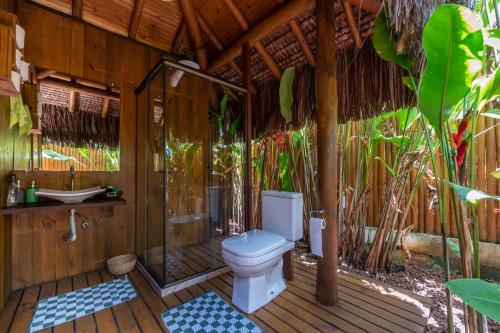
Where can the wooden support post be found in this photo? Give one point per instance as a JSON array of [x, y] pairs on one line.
[[247, 82], [327, 110], [288, 265]]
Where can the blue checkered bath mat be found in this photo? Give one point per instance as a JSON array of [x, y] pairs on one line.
[[207, 313], [66, 307]]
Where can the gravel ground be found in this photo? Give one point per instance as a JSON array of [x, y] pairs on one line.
[[426, 281]]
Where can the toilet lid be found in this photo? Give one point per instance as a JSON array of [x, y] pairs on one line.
[[253, 243]]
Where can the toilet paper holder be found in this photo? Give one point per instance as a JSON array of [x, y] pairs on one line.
[[316, 213]]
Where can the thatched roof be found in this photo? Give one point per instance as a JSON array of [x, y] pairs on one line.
[[367, 85], [84, 125]]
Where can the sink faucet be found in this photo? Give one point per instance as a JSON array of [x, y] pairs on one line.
[[72, 174]]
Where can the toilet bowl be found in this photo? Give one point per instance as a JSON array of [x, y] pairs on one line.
[[256, 256]]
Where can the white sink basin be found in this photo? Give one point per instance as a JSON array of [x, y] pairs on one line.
[[70, 196]]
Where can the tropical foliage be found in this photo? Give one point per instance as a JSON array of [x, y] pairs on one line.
[[459, 80]]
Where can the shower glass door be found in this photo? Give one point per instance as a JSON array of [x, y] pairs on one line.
[[189, 173]]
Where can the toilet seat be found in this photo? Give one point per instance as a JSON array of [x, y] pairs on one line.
[[253, 243], [253, 261]]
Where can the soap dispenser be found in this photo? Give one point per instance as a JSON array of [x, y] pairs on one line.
[[20, 193], [31, 196], [12, 192]]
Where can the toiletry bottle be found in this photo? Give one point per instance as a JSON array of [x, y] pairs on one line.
[[20, 192], [12, 192], [31, 197]]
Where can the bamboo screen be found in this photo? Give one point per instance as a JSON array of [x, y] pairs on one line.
[[424, 219], [92, 159]]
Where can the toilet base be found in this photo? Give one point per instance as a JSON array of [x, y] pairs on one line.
[[253, 292]]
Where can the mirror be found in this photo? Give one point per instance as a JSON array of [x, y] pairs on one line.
[[78, 123]]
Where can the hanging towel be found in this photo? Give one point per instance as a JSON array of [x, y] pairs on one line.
[[316, 227], [15, 107], [20, 114]]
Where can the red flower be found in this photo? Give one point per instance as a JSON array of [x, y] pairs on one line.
[[462, 148], [457, 138]]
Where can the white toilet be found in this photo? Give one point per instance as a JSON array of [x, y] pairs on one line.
[[255, 256]]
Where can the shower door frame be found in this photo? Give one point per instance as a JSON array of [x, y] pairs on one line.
[[160, 67]]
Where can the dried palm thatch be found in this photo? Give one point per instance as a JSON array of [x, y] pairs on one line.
[[407, 19], [79, 128], [85, 125], [367, 85]]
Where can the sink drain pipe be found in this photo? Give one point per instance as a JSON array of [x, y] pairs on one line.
[[72, 226]]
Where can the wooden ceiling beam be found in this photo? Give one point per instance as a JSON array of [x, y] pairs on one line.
[[301, 38], [283, 15], [105, 108], [188, 10], [77, 8], [370, 6], [135, 19], [352, 23], [180, 35], [259, 47]]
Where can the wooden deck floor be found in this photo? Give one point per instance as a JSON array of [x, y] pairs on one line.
[[365, 306]]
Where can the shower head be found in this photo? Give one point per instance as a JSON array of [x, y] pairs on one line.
[[177, 75]]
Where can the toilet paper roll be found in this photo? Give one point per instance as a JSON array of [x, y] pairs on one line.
[[316, 227]]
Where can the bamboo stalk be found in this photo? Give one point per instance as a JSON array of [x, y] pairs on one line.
[[481, 177], [490, 183]]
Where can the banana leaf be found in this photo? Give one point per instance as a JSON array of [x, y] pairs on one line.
[[471, 195], [384, 43], [286, 93], [478, 294], [453, 45]]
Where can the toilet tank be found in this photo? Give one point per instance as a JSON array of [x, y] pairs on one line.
[[282, 213]]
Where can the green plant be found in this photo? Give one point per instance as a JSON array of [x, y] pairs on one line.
[[458, 81]]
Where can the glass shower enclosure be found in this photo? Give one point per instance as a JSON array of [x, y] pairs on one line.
[[189, 177]]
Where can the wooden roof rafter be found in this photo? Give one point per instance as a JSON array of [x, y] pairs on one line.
[[283, 15], [212, 36], [193, 28], [290, 10], [77, 8], [180, 35], [259, 47], [135, 19], [352, 23]]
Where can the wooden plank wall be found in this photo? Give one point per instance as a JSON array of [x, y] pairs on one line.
[[6, 158], [424, 220], [39, 252]]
